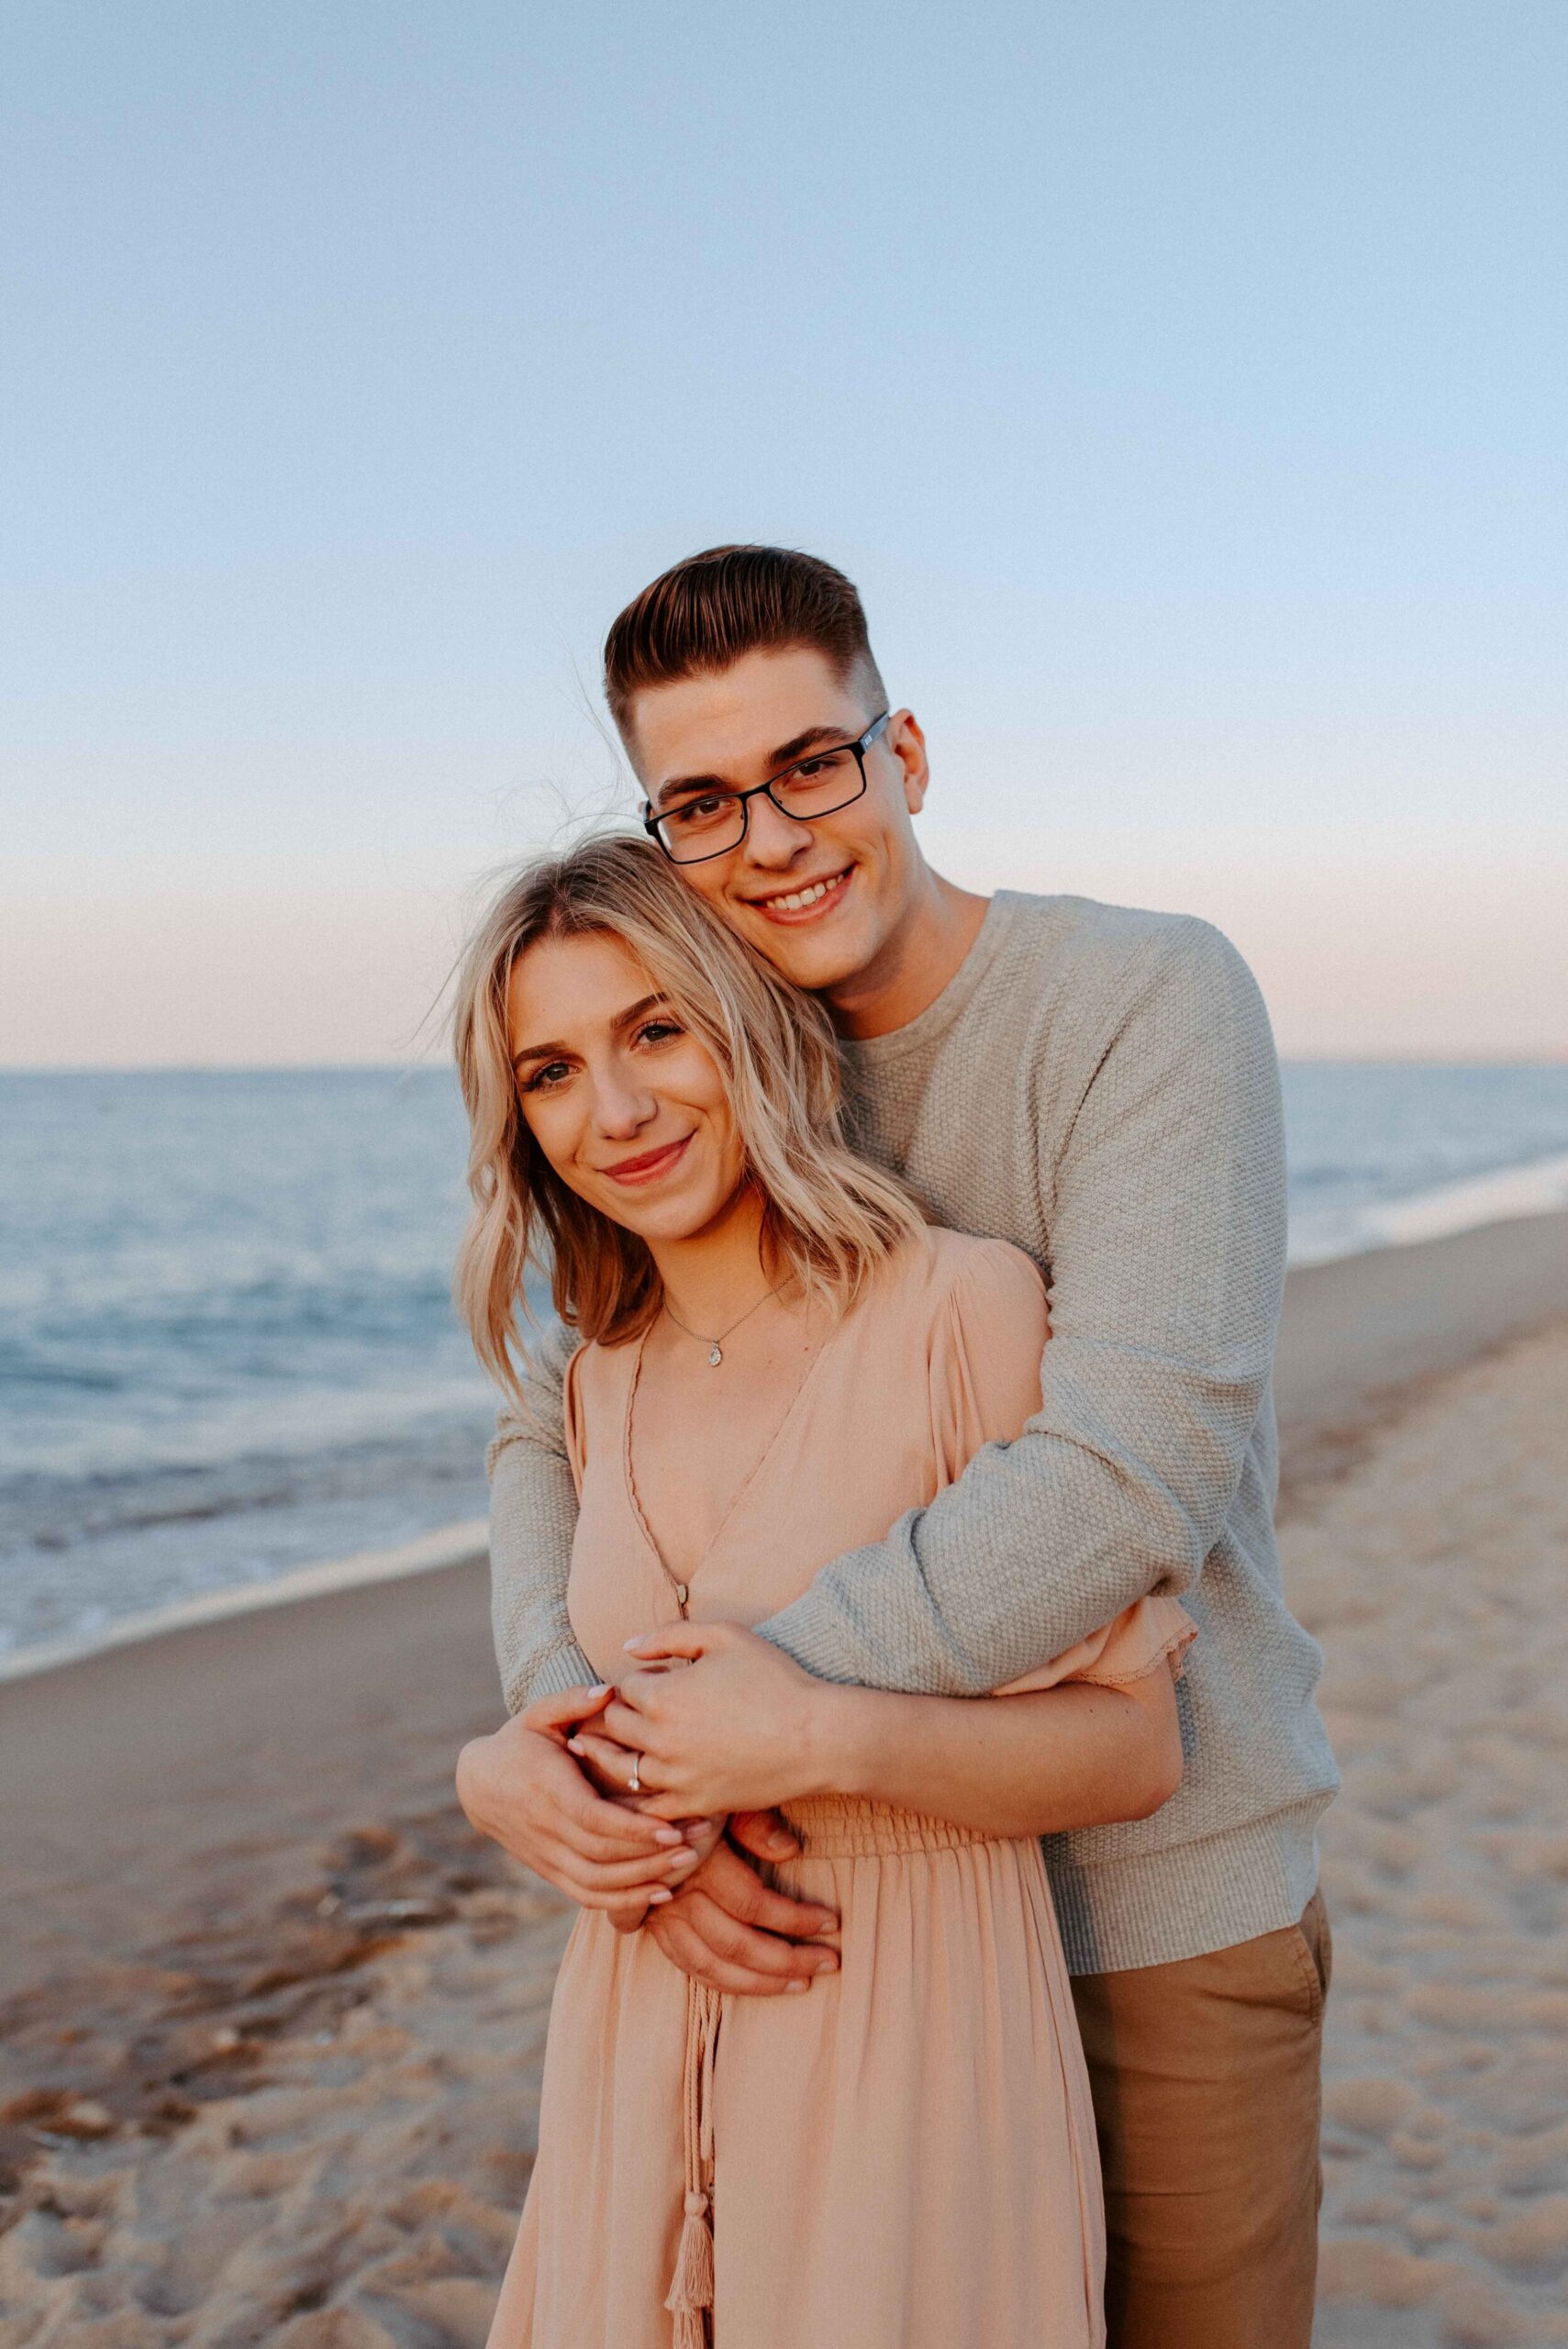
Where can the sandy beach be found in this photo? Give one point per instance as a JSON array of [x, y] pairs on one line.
[[272, 2018]]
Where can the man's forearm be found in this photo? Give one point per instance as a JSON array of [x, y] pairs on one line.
[[1040, 1543]]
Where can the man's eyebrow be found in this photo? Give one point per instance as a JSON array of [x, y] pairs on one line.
[[787, 752], [626, 1018], [686, 783], [784, 756]]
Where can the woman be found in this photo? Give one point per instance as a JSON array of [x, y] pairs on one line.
[[778, 1359]]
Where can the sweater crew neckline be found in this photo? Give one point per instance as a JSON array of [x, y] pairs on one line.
[[878, 1052]]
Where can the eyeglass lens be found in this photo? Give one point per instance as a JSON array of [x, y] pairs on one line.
[[715, 820]]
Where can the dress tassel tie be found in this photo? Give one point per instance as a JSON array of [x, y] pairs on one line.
[[690, 2296]]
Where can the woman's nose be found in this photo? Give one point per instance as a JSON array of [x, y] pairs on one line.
[[621, 1107]]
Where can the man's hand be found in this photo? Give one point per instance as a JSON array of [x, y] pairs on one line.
[[726, 1927], [522, 1788]]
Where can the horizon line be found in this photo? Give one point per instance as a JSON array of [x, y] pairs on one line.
[[1369, 1059]]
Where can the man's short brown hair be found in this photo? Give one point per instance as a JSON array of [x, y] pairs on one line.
[[710, 610]]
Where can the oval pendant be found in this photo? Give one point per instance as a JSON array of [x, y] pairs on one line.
[[714, 1358]]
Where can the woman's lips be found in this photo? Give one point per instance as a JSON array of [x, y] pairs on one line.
[[649, 1167]]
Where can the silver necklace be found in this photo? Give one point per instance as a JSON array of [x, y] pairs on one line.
[[715, 1345]]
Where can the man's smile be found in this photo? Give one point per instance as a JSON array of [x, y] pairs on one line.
[[806, 900]]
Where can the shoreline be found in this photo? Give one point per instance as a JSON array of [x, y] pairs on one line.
[[1356, 1331], [1529, 1186], [462, 1545]]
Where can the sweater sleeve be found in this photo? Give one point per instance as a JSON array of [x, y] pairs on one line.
[[533, 1516], [1167, 1242]]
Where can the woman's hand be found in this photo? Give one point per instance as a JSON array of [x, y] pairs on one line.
[[737, 1730], [523, 1789]]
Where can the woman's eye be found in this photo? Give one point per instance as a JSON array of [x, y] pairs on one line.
[[655, 1032], [552, 1073]]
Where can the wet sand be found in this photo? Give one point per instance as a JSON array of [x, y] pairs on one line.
[[272, 2018]]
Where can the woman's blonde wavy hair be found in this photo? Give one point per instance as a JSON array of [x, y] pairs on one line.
[[830, 1218]]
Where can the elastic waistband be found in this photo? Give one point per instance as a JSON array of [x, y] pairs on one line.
[[841, 1827]]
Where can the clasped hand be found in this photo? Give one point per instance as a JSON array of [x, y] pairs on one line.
[[718, 1721], [571, 1818]]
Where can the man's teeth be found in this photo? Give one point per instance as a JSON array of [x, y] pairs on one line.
[[800, 898]]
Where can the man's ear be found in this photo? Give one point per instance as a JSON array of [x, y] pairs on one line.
[[907, 744]]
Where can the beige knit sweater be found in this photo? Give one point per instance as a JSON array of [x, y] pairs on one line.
[[1098, 1086]]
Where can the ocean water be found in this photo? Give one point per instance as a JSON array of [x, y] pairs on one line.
[[1380, 1156], [226, 1344]]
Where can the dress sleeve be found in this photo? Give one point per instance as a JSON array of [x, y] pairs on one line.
[[1150, 1632], [985, 1348]]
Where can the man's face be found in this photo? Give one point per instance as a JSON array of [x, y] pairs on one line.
[[740, 728]]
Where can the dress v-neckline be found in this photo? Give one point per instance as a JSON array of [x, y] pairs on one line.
[[681, 1587]]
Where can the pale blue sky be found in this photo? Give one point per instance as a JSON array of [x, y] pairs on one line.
[[1182, 385]]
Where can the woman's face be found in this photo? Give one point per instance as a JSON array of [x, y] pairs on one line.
[[626, 1105]]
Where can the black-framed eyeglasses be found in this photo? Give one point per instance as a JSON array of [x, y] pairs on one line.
[[713, 820]]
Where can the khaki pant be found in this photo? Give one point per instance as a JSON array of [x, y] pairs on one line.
[[1206, 2077]]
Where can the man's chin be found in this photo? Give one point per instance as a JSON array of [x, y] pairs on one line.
[[815, 964]]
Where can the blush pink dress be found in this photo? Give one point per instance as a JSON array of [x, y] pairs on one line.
[[904, 2158]]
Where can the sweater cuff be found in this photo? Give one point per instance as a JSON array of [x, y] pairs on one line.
[[808, 1632], [562, 1666]]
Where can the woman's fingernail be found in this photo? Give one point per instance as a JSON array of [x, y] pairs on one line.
[[575, 1746], [783, 1844], [657, 1897], [796, 1982], [668, 1835], [687, 1859], [632, 1646], [600, 1688], [826, 1965]]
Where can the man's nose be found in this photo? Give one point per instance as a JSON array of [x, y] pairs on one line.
[[773, 841]]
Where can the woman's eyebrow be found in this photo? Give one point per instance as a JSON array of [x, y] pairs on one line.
[[626, 1018], [640, 1010], [538, 1052]]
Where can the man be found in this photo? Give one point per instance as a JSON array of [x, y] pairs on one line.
[[1098, 1086]]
